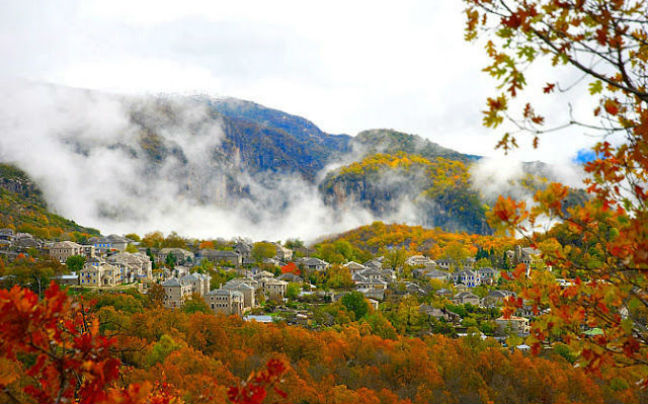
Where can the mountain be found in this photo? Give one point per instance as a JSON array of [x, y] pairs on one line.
[[207, 165], [268, 140], [24, 209], [257, 139]]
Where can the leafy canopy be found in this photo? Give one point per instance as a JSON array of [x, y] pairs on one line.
[[601, 247]]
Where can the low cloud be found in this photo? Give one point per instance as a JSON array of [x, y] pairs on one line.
[[85, 151]]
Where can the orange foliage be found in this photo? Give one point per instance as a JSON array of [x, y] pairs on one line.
[[290, 268], [418, 240]]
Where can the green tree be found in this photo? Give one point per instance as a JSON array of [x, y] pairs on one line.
[[483, 263], [263, 250], [292, 290], [133, 236], [196, 303], [170, 260], [328, 253], [381, 326], [356, 303], [345, 249], [75, 263], [408, 318], [149, 253], [294, 244], [162, 349]]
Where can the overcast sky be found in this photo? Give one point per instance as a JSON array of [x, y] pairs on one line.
[[345, 65]]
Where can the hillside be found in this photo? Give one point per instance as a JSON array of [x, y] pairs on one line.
[[23, 208], [379, 236], [436, 190]]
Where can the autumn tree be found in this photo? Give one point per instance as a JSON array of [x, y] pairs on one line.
[[457, 252], [153, 240], [69, 359], [605, 45], [25, 271], [174, 240], [133, 236], [395, 258], [156, 295], [339, 277]]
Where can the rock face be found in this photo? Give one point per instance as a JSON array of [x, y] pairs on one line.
[[23, 208], [432, 193], [16, 181]]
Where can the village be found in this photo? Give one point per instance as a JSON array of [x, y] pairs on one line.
[[269, 282]]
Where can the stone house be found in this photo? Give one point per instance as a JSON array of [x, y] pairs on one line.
[[488, 275], [199, 283], [314, 264], [263, 274], [375, 263], [439, 314], [283, 254], [62, 250], [113, 242], [438, 275], [99, 274], [71, 279], [181, 255], [133, 266], [414, 289], [445, 263], [371, 284], [231, 258], [290, 277], [467, 277], [26, 240], [175, 292], [514, 324], [274, 287], [225, 301], [7, 234], [247, 290], [353, 267], [523, 255], [466, 297], [419, 261], [245, 251], [496, 297]]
